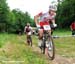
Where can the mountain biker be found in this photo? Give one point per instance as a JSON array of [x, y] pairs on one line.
[[45, 19], [28, 31]]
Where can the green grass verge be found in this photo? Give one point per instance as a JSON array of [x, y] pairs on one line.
[[62, 32], [17, 51], [15, 48]]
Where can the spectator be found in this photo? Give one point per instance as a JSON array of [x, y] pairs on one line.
[[72, 26]]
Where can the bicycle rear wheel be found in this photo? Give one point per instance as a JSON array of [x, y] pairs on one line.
[[51, 48]]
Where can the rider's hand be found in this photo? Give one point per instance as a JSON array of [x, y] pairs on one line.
[[37, 25], [55, 25]]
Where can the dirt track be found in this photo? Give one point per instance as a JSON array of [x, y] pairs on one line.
[[58, 59]]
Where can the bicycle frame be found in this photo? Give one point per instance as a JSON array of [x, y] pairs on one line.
[[47, 37], [44, 39]]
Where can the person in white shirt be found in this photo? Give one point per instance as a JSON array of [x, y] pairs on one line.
[[28, 31]]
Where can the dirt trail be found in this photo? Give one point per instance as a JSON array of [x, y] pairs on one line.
[[58, 59], [62, 60]]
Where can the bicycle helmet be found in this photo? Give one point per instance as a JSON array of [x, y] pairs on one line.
[[52, 7]]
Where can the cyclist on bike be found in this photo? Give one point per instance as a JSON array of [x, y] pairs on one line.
[[28, 31], [45, 19]]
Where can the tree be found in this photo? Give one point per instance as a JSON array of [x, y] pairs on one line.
[[4, 12], [18, 20], [66, 13], [13, 21]]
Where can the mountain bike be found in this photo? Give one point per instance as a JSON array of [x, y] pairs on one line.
[[47, 42]]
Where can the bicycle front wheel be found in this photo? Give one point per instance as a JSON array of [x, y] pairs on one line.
[[51, 48]]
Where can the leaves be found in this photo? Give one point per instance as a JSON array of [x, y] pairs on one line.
[[66, 13], [13, 21]]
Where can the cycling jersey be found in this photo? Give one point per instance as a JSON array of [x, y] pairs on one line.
[[28, 30], [73, 25], [44, 18]]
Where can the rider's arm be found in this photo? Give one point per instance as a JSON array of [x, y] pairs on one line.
[[25, 29], [53, 20], [31, 29], [71, 26], [36, 18]]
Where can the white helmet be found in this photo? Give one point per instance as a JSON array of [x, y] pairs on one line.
[[53, 7]]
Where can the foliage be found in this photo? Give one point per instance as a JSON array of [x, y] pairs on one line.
[[4, 12], [13, 21], [18, 20], [65, 13]]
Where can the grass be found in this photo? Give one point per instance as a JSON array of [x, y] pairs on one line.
[[62, 32], [15, 49], [65, 46], [3, 39]]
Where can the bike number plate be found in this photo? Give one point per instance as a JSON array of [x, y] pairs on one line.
[[47, 27]]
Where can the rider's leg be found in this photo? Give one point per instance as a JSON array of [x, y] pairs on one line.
[[40, 37], [40, 33], [28, 39], [46, 49], [31, 40], [51, 31]]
